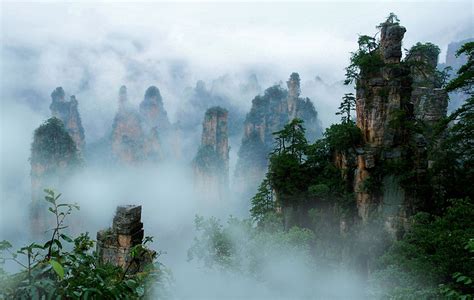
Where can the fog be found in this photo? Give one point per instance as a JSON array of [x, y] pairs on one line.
[[91, 49]]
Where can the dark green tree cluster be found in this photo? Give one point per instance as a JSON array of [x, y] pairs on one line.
[[53, 146], [365, 60], [434, 259], [301, 173], [263, 203]]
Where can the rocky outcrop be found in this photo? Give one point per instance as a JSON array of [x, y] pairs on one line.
[[381, 94], [114, 245], [68, 113], [390, 100], [429, 100], [132, 140], [269, 113], [54, 157], [211, 164]]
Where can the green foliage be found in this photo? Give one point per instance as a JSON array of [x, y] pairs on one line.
[[289, 178], [291, 140], [319, 190], [66, 267], [263, 203], [286, 172], [430, 254], [365, 60], [347, 106], [301, 173], [344, 136], [424, 50], [464, 285]]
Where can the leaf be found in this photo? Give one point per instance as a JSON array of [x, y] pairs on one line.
[[47, 244], [66, 238], [57, 268], [35, 245], [58, 243]]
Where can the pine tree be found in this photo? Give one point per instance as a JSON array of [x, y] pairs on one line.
[[263, 202], [347, 106]]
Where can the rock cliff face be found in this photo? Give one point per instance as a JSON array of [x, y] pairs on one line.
[[270, 113], [114, 244], [135, 136], [428, 99], [54, 157], [211, 164], [67, 111], [389, 101]]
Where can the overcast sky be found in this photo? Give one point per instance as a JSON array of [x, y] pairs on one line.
[[226, 37], [91, 49], [49, 44]]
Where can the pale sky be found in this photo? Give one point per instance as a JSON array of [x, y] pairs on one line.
[[92, 48]]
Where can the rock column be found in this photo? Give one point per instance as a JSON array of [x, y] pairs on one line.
[[115, 244], [211, 164]]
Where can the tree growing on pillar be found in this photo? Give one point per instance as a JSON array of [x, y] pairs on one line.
[[346, 107]]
